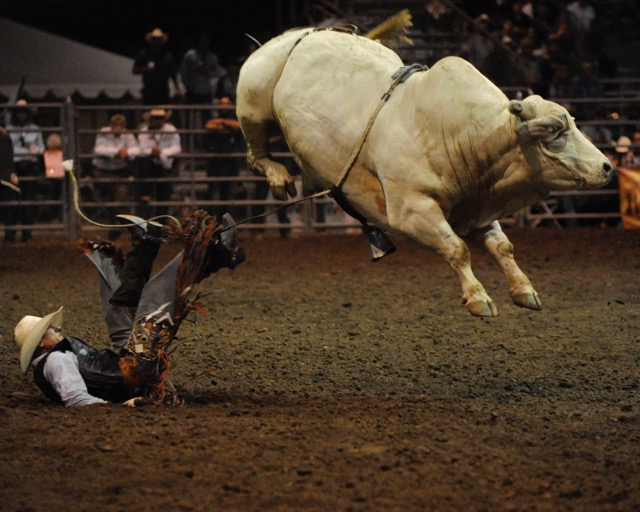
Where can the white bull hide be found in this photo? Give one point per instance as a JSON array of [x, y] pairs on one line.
[[446, 156]]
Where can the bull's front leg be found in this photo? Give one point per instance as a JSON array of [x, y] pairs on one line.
[[424, 221], [520, 289], [257, 138]]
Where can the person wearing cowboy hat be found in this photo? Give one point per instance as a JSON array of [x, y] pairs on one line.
[[28, 147], [624, 156], [158, 67], [159, 145], [71, 372]]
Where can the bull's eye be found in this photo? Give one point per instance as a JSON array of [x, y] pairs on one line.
[[558, 143]]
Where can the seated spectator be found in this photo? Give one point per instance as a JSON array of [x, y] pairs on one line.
[[53, 157], [115, 151], [159, 146]]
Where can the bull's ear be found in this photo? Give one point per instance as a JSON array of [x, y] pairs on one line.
[[546, 128], [524, 111]]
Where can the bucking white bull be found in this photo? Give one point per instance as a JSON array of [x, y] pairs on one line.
[[434, 155]]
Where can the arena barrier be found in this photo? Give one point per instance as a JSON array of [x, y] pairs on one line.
[[196, 183]]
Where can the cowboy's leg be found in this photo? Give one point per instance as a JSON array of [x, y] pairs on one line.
[[160, 290], [135, 272]]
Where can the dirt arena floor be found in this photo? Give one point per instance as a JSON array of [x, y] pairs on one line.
[[321, 381]]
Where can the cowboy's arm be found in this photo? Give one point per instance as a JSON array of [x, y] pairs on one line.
[[62, 372]]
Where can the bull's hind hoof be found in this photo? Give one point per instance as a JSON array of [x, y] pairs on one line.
[[527, 300], [482, 308]]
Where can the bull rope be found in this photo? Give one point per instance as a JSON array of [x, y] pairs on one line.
[[399, 77]]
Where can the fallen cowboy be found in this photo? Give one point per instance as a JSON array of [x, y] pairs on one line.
[[143, 314]]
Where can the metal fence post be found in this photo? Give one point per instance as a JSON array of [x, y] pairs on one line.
[[71, 146]]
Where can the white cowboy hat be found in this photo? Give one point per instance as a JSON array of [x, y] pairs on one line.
[[623, 145], [157, 113], [157, 33], [30, 331], [23, 106]]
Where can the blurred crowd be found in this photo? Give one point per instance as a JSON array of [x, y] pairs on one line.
[[554, 48]]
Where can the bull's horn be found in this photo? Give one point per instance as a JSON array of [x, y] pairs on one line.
[[525, 111]]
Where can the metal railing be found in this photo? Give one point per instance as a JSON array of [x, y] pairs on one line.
[[193, 186]]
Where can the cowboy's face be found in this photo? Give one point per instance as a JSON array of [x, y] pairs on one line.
[[155, 123], [156, 43], [22, 116], [51, 337]]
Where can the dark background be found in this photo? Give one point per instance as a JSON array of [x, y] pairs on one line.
[[120, 26]]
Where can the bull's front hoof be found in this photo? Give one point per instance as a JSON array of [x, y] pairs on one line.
[[527, 300], [482, 308]]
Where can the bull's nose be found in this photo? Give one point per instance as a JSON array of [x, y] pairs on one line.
[[608, 170]]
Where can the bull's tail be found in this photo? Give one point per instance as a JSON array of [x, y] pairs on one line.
[[392, 30]]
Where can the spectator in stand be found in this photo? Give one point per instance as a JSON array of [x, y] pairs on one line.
[[624, 157], [477, 47], [520, 21], [201, 71], [562, 34], [159, 146], [158, 67], [528, 65], [581, 16], [548, 61], [586, 85], [9, 190], [561, 85], [580, 53], [500, 60], [599, 134], [509, 35], [115, 151], [635, 139], [436, 17], [229, 82], [544, 18], [224, 136], [28, 146]]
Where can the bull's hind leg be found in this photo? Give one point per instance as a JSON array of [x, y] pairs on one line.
[[256, 135], [520, 289], [424, 221]]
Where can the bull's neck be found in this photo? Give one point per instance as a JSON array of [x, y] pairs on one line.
[[516, 181], [497, 179]]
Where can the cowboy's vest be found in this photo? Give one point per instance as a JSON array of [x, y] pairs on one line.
[[99, 370]]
